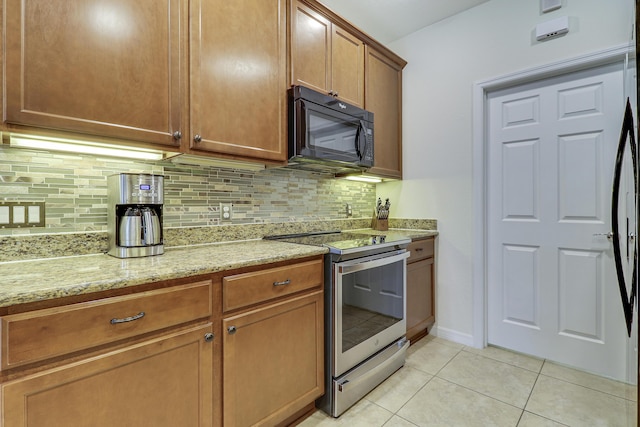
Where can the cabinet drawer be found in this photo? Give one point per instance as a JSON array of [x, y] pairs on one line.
[[39, 335], [420, 249], [251, 288]]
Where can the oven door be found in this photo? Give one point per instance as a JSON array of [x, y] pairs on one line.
[[369, 307]]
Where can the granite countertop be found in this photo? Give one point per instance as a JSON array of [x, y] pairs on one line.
[[37, 280], [44, 279], [394, 233]]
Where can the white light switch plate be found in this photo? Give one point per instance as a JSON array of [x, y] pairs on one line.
[[21, 214]]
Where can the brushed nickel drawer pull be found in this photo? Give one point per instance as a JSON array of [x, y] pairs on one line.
[[286, 282], [419, 249], [128, 319]]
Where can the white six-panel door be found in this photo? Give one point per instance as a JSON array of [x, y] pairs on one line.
[[552, 289]]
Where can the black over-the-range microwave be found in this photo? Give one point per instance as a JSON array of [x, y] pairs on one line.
[[327, 134]]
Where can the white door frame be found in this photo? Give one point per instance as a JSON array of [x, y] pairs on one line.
[[480, 140]]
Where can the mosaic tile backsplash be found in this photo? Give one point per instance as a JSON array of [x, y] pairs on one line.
[[74, 189]]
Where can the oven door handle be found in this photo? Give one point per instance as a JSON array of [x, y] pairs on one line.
[[354, 266]]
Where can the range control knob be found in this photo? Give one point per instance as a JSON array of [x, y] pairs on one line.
[[374, 240], [382, 238]]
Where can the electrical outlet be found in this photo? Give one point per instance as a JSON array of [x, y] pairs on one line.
[[226, 211]]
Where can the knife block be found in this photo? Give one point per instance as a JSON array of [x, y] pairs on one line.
[[379, 224]]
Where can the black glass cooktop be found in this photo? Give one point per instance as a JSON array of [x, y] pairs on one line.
[[341, 242]]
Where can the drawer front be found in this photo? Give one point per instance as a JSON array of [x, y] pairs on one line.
[[39, 335], [420, 249], [251, 288]]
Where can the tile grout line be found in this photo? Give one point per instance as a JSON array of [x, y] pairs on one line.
[[486, 395], [413, 395], [533, 387], [545, 361], [470, 389], [502, 361], [424, 385], [483, 394], [531, 393], [588, 388], [582, 385]]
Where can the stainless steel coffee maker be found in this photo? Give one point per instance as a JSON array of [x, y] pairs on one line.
[[134, 216]]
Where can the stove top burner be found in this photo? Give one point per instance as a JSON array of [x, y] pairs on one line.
[[343, 242]]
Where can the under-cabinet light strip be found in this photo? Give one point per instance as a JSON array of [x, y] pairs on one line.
[[82, 147]]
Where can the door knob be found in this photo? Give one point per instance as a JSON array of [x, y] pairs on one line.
[[608, 235]]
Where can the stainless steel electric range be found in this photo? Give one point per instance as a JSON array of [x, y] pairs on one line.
[[365, 311]]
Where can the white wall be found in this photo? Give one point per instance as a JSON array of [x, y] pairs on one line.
[[444, 61]]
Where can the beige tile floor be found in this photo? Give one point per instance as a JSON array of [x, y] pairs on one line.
[[448, 384]]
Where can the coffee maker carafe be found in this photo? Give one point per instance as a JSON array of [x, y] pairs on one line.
[[134, 215]]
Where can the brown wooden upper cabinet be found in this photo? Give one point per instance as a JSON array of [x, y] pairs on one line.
[[324, 56], [120, 69], [383, 94], [101, 68], [238, 91]]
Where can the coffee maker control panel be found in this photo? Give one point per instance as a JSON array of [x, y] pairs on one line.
[[145, 190], [137, 188]]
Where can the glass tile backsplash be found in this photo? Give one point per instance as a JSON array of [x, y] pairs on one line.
[[74, 189]]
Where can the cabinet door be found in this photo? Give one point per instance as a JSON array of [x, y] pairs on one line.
[[161, 382], [420, 303], [325, 57], [310, 48], [273, 361], [347, 66], [101, 68], [383, 95], [238, 78]]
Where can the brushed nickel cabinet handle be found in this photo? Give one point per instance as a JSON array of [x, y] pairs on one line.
[[419, 249], [231, 330], [128, 319], [286, 282], [197, 138], [208, 337], [177, 134]]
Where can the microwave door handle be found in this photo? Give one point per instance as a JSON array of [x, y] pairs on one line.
[[359, 134]]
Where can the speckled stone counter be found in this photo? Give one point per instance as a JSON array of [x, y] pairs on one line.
[[394, 233], [30, 281], [37, 246]]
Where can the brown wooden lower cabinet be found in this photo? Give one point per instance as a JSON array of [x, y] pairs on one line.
[[157, 362], [420, 288], [165, 381], [273, 361]]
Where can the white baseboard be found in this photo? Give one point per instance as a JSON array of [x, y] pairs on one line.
[[455, 336]]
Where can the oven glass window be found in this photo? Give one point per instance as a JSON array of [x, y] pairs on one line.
[[330, 135], [372, 301]]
